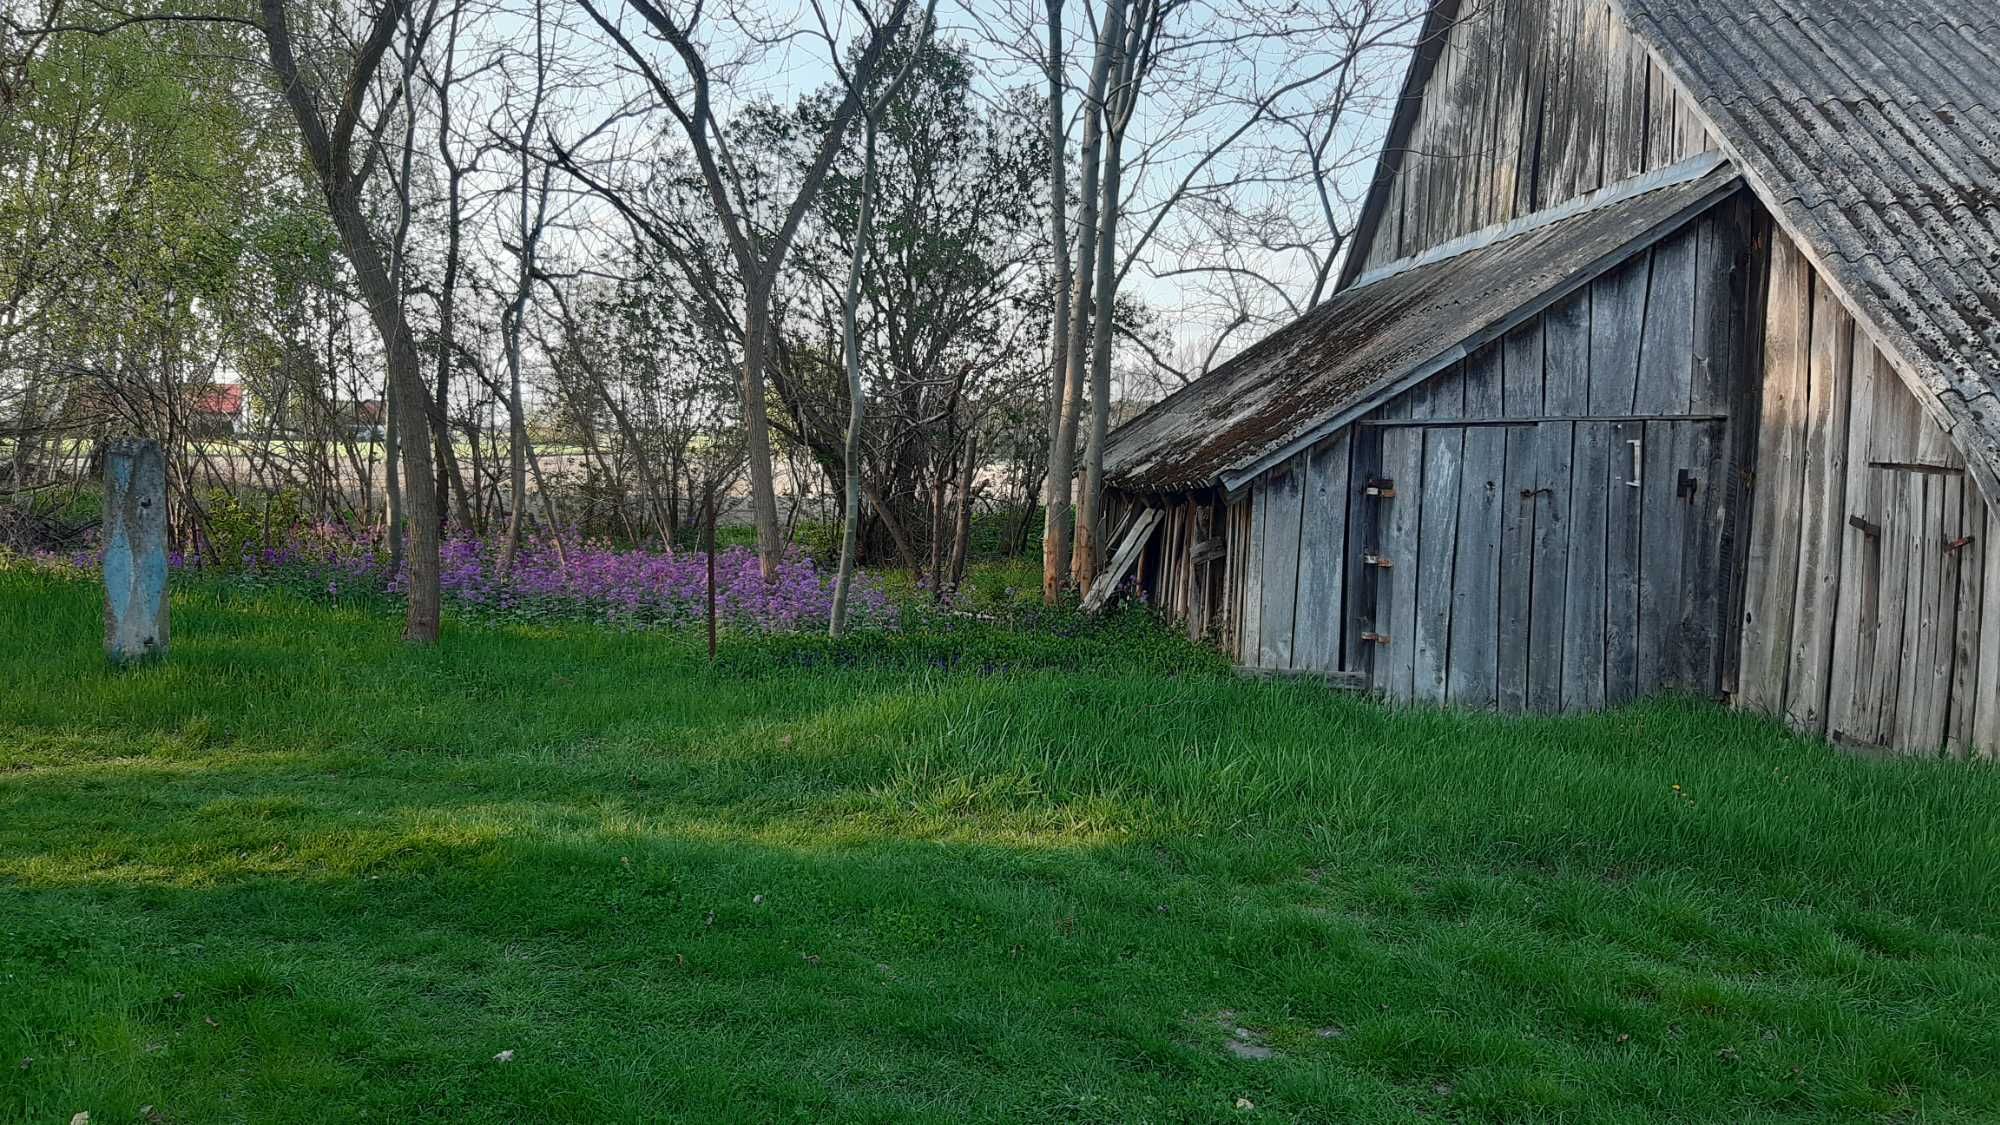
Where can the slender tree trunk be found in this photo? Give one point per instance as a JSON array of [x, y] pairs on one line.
[[757, 427], [1057, 491], [850, 533], [1089, 549], [1058, 224], [961, 539]]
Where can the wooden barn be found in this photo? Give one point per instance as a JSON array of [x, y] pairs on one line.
[[1664, 358]]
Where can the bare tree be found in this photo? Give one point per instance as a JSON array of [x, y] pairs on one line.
[[857, 395], [759, 253], [330, 149]]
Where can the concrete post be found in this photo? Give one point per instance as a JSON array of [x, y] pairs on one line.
[[135, 551]]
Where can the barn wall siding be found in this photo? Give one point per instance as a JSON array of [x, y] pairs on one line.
[[1559, 536], [1510, 562], [1871, 567], [1531, 103]]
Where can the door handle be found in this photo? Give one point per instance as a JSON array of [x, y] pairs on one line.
[[1635, 443]]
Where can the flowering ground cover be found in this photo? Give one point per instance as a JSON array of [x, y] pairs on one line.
[[551, 871], [576, 579]]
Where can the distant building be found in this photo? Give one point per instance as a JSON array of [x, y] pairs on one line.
[[217, 410], [362, 418]]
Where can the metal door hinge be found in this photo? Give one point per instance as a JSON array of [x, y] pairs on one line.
[[1370, 558], [1375, 638], [1381, 488]]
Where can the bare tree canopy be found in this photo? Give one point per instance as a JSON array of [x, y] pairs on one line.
[[867, 270]]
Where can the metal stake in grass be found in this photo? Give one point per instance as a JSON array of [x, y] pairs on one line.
[[135, 551]]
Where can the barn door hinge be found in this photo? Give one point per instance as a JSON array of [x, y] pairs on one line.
[[1370, 558], [1380, 488], [1869, 530], [1958, 544], [1375, 638]]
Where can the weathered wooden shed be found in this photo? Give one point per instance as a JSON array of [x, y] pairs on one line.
[[1665, 357]]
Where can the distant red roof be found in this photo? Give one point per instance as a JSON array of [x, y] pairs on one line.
[[219, 398]]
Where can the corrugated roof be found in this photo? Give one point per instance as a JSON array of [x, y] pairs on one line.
[[1871, 128], [1394, 327]]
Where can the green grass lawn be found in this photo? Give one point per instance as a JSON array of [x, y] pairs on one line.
[[301, 873]]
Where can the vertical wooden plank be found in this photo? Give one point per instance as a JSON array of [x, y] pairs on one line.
[[1858, 599], [1986, 706], [1716, 304], [1971, 603], [1944, 613], [1473, 654], [1322, 556], [1705, 560], [1566, 331], [1900, 590], [1584, 599], [1552, 668], [1748, 232], [1773, 558], [1617, 326], [1521, 497], [1503, 175], [1364, 536], [1437, 546], [1625, 104], [1475, 90], [1549, 582], [1560, 108], [1587, 88], [1285, 496], [1666, 354], [1660, 132], [1252, 654], [1913, 686], [1624, 497], [1919, 729], [1665, 517], [1830, 369], [1534, 28], [1396, 586]]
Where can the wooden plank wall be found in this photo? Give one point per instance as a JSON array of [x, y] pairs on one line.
[[1532, 103], [1542, 578], [1524, 572], [1871, 567], [1295, 568]]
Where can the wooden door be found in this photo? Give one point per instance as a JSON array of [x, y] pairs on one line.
[[1550, 564]]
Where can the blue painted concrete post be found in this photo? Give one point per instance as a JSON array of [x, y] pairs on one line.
[[135, 551]]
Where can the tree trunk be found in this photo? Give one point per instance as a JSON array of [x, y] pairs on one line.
[[1057, 490], [961, 539], [850, 533], [757, 427], [1090, 503]]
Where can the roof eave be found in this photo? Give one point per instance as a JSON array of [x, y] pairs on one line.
[[1233, 480]]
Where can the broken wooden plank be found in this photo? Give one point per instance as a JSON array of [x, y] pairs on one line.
[[1123, 560]]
